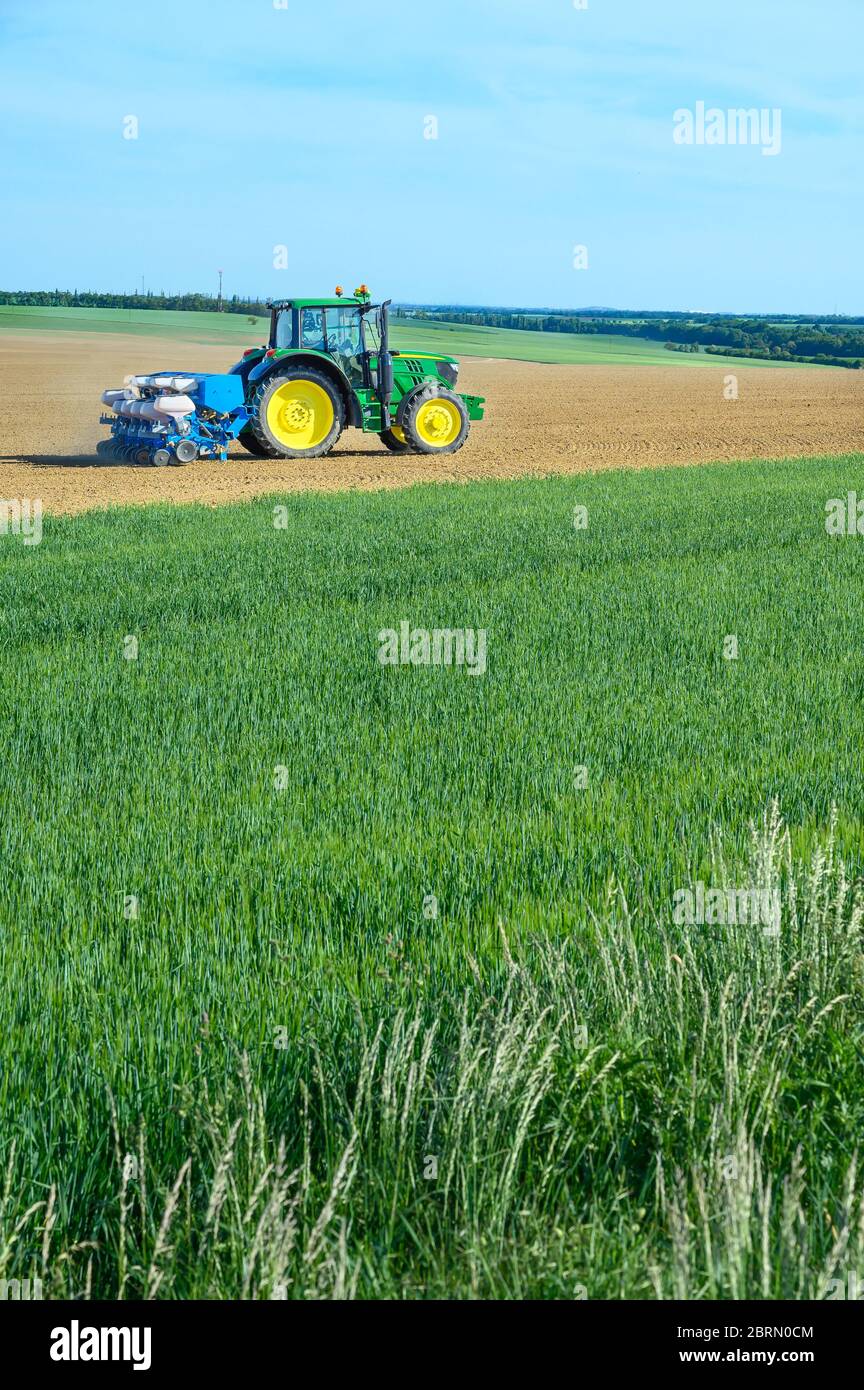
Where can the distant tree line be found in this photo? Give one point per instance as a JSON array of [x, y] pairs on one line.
[[821, 359], [93, 299], [466, 313], [836, 341]]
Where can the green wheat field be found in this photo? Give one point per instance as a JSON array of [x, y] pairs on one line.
[[321, 978]]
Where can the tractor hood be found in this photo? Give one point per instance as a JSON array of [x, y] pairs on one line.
[[423, 356]]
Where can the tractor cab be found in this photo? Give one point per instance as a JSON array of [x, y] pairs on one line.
[[333, 327]]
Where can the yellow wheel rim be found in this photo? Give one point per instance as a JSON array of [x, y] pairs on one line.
[[300, 414], [398, 433], [438, 422]]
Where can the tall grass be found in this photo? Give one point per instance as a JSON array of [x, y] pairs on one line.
[[284, 1077], [601, 1117]]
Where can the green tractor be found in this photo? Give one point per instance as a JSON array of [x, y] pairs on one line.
[[329, 364]]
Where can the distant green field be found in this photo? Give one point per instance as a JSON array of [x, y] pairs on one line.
[[323, 977], [606, 349], [184, 326], [429, 336], [464, 340]]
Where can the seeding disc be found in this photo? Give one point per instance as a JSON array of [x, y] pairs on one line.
[[186, 451]]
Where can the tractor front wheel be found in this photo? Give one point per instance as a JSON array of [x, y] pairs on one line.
[[435, 421], [297, 413]]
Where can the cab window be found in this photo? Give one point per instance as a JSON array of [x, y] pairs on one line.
[[284, 329], [343, 332], [312, 330]]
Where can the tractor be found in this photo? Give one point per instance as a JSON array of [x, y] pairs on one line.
[[327, 364]]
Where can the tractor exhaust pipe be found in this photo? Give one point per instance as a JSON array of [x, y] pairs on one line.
[[385, 366]]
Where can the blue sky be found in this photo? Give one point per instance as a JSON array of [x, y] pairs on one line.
[[301, 124]]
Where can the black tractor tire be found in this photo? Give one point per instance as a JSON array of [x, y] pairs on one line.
[[417, 403], [277, 448], [395, 445], [252, 444]]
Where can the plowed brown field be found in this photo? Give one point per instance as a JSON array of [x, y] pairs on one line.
[[541, 420]]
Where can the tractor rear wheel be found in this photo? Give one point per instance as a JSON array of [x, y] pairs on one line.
[[394, 440], [436, 421], [297, 413]]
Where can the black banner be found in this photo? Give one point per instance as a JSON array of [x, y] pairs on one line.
[[164, 1339]]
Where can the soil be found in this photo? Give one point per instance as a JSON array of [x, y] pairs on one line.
[[541, 420]]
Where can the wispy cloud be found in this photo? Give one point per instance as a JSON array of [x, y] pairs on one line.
[[306, 126]]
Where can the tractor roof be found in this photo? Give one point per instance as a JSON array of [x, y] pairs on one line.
[[317, 303]]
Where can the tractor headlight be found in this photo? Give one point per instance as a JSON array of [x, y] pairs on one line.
[[449, 371]]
